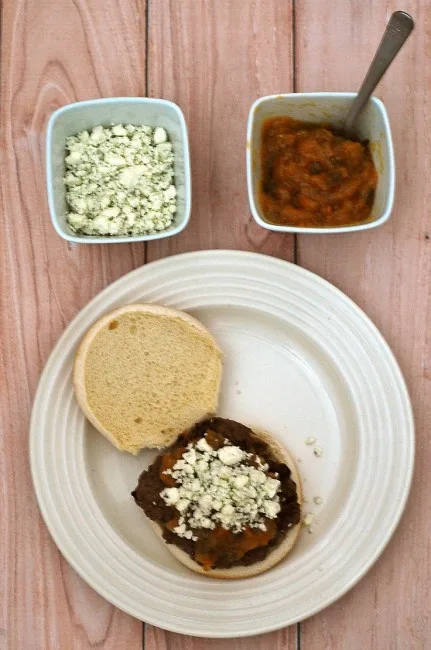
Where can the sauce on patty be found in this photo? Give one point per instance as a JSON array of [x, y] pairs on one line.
[[221, 546], [313, 176]]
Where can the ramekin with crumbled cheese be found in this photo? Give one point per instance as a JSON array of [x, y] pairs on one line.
[[120, 181]]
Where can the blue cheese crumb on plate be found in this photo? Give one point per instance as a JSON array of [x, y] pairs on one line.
[[120, 181]]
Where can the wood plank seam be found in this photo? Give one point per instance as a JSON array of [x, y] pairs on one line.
[[146, 88], [294, 84]]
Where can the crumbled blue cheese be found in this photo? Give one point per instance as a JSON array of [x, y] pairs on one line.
[[221, 488], [308, 520], [120, 181]]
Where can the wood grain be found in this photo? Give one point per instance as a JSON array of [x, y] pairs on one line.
[[214, 58], [52, 53], [156, 639], [387, 272]]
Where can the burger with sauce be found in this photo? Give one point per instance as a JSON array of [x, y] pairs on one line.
[[225, 499]]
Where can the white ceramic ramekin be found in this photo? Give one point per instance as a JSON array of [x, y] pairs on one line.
[[80, 116], [330, 108]]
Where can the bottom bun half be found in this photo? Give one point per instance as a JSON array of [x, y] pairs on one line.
[[276, 555]]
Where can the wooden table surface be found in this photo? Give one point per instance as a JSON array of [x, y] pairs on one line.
[[212, 57]]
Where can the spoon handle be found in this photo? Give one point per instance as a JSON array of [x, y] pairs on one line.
[[397, 31]]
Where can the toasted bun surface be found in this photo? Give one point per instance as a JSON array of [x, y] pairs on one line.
[[279, 551], [144, 373]]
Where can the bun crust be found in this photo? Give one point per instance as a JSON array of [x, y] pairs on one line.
[[144, 373]]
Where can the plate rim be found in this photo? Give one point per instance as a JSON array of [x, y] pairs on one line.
[[275, 262]]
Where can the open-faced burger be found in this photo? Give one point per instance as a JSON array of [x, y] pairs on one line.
[[224, 498]]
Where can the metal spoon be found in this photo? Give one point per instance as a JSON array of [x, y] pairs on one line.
[[397, 31]]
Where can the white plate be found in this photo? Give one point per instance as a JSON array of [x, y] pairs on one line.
[[301, 360]]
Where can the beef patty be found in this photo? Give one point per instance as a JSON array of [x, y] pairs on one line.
[[147, 496]]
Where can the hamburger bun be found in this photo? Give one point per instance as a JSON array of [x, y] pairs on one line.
[[275, 556], [144, 373]]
